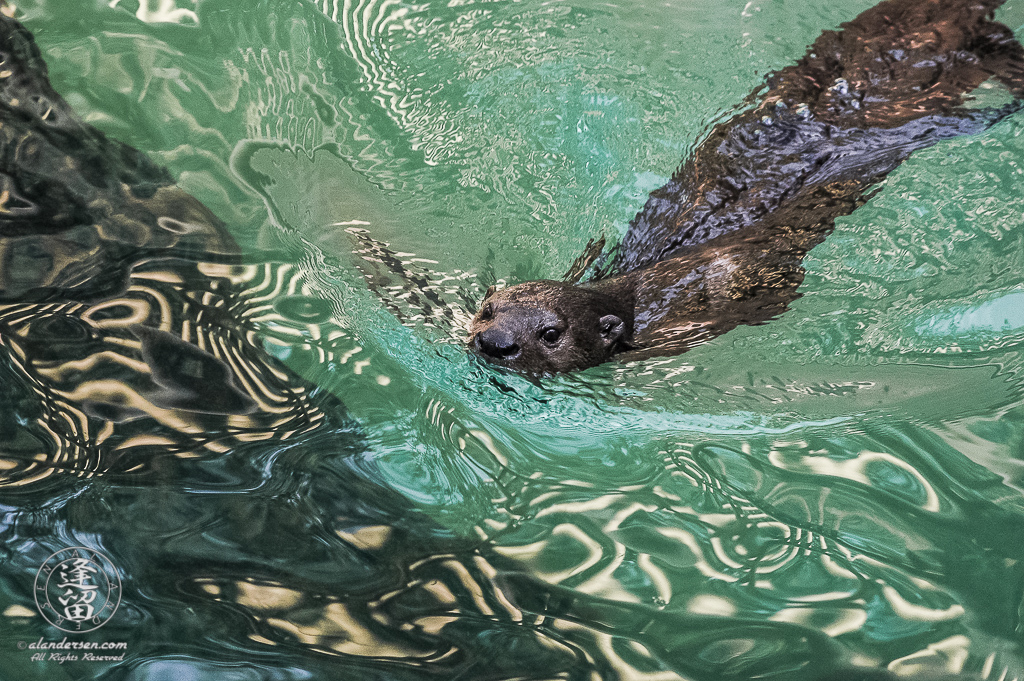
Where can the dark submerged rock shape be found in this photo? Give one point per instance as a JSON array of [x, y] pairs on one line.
[[141, 410], [125, 360]]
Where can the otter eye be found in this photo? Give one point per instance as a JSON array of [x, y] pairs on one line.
[[550, 335], [486, 312]]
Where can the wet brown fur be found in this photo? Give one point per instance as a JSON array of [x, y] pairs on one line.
[[721, 243]]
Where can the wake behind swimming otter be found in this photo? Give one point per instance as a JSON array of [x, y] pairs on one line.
[[722, 243]]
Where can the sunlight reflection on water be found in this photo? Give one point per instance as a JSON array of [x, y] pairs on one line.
[[817, 490]]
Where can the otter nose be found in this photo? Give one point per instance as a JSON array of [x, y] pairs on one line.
[[497, 343]]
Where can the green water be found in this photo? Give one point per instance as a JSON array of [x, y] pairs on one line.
[[845, 482]]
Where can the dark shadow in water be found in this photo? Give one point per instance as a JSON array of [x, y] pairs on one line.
[[140, 416]]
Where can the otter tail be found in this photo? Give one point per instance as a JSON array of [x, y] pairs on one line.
[[879, 82], [997, 48], [1003, 56]]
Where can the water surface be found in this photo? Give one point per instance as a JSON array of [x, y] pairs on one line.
[[842, 484]]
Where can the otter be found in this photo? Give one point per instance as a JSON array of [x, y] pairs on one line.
[[721, 244]]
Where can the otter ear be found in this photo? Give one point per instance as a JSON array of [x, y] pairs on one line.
[[612, 328], [490, 291]]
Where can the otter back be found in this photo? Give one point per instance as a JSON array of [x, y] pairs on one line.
[[722, 243], [860, 101]]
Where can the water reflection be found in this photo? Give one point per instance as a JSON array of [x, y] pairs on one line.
[[723, 517], [236, 497], [799, 533]]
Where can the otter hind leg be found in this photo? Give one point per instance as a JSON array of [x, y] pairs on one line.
[[1005, 61]]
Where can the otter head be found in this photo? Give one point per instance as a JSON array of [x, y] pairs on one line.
[[543, 327]]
